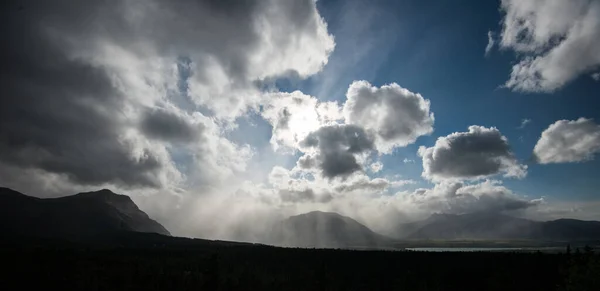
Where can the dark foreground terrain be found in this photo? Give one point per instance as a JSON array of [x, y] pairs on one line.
[[102, 241], [154, 262]]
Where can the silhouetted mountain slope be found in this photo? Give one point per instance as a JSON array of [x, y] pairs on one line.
[[498, 226], [325, 229], [84, 214], [571, 228]]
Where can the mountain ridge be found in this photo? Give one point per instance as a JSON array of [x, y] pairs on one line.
[[75, 216], [325, 230], [497, 226]]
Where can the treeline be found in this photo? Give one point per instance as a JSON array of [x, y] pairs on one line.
[[239, 267]]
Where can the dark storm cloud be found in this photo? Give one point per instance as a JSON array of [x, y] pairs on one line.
[[169, 126], [77, 75], [337, 146], [464, 155], [306, 195], [60, 114]]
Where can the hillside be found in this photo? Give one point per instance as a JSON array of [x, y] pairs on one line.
[[491, 226], [325, 230], [77, 216]]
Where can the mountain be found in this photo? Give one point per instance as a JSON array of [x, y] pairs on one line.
[[474, 226], [325, 230], [489, 226], [571, 228], [78, 216]]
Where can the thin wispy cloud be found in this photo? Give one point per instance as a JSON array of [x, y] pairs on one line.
[[491, 43], [524, 122]]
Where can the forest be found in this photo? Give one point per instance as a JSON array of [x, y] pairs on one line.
[[213, 265]]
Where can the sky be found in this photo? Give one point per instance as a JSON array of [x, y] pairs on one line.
[[220, 117]]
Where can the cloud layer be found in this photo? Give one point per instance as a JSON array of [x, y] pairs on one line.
[[568, 141], [480, 152]]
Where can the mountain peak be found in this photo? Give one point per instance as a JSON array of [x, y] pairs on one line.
[[325, 229], [320, 213], [107, 196], [101, 193]]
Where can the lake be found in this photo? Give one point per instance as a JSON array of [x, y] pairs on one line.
[[483, 249]]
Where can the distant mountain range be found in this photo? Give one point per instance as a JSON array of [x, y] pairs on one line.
[[491, 226], [325, 230], [106, 215], [78, 216]]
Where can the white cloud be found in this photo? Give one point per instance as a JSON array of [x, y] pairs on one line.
[[491, 43], [300, 180], [395, 115], [556, 40], [294, 115], [524, 123], [329, 112], [407, 161], [480, 152], [296, 187], [567, 141], [458, 198], [596, 76], [376, 167]]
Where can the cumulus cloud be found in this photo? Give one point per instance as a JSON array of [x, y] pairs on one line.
[[306, 195], [396, 116], [91, 89], [478, 153], [491, 43], [363, 183], [568, 141], [556, 40], [294, 185], [333, 149], [458, 198], [170, 125]]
